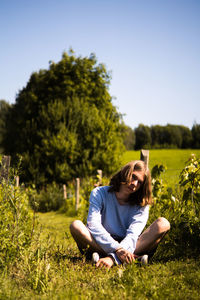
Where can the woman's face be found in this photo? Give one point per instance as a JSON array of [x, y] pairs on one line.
[[135, 183]]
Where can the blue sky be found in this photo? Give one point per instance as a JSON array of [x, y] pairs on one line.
[[151, 47]]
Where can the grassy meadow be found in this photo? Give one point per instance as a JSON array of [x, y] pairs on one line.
[[53, 268], [71, 277]]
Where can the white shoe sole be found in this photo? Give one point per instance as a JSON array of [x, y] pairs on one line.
[[144, 260], [95, 257]]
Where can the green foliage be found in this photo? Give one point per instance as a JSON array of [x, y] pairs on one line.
[[129, 138], [16, 222], [182, 241], [196, 136], [64, 123], [157, 185], [48, 199], [172, 136], [168, 136], [157, 170], [182, 211], [190, 180], [4, 111], [186, 134], [143, 137]]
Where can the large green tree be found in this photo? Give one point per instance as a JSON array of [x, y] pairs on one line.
[[196, 136], [143, 137], [158, 136], [129, 138], [186, 134], [64, 123], [4, 111], [172, 136], [176, 136]]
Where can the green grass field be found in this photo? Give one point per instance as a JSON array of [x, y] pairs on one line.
[[173, 159], [71, 277], [79, 280]]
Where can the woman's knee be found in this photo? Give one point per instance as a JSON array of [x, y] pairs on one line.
[[162, 225], [76, 226]]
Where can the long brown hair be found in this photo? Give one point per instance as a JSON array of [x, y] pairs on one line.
[[142, 196]]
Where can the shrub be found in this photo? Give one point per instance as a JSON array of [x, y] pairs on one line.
[[16, 222], [47, 199], [181, 208]]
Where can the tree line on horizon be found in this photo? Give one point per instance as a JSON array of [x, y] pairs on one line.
[[64, 125], [162, 137]]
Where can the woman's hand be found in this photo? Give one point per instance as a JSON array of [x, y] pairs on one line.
[[105, 262], [125, 256]]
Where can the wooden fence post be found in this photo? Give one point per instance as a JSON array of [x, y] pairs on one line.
[[99, 172], [17, 180], [4, 168], [77, 193], [144, 155], [64, 191]]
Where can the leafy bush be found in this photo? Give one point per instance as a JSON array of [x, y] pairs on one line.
[[47, 199], [190, 180], [16, 222], [181, 207]]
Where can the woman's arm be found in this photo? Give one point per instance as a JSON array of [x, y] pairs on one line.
[[128, 244], [137, 225], [94, 223]]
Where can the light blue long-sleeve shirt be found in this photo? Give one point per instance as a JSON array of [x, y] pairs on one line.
[[113, 225]]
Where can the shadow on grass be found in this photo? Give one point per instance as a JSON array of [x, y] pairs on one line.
[[71, 257]]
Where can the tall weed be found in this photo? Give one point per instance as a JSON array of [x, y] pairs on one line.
[[16, 222]]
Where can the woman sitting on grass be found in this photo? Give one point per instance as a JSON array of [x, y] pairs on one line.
[[117, 215]]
